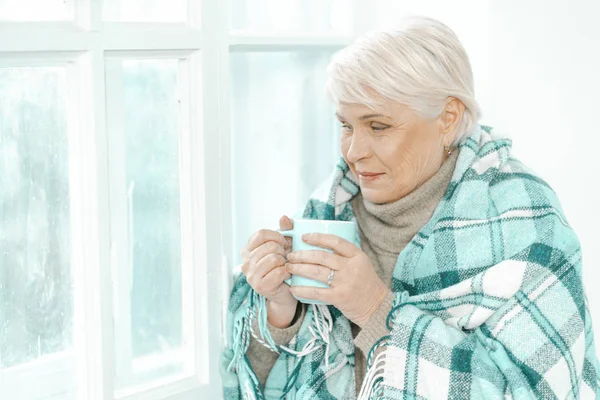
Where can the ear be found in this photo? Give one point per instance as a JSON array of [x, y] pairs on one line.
[[450, 119]]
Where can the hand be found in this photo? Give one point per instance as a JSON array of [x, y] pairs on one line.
[[264, 259], [356, 289]]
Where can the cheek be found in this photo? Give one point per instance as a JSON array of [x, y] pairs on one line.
[[397, 156], [408, 162]]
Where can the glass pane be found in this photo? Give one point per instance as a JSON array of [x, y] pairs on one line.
[[36, 10], [36, 297], [148, 327], [145, 10], [285, 140], [292, 15]]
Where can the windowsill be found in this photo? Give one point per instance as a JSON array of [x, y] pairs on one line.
[[160, 389], [53, 377], [50, 376]]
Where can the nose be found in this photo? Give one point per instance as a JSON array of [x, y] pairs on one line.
[[360, 146]]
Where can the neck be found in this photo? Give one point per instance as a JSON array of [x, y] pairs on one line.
[[389, 227]]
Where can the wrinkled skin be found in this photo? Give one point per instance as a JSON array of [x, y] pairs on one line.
[[406, 150]]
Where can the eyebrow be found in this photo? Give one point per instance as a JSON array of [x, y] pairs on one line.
[[363, 117], [367, 116]]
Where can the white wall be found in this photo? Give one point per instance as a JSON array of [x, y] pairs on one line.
[[537, 77], [545, 91]]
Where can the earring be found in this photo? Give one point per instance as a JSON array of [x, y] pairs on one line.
[[448, 150]]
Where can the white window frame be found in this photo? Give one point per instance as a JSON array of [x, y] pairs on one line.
[[203, 44]]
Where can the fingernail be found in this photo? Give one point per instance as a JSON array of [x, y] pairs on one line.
[[288, 267], [306, 236]]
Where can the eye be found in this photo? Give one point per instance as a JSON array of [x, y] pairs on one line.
[[346, 127], [377, 127]]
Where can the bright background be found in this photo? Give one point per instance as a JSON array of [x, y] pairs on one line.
[[143, 141]]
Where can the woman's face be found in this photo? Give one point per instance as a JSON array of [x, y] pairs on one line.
[[403, 149]]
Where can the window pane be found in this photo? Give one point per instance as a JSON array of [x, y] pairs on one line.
[[292, 15], [145, 10], [285, 139], [36, 298], [36, 10], [148, 324]]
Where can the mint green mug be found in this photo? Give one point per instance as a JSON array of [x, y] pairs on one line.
[[344, 229]]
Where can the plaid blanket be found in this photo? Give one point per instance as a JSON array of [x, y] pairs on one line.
[[490, 302]]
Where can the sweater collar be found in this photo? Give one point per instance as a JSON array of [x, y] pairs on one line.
[[403, 218]]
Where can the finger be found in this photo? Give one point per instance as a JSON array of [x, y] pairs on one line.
[[320, 257], [263, 236], [312, 271], [264, 249], [249, 268], [339, 245], [276, 277], [268, 263], [285, 224], [325, 295]]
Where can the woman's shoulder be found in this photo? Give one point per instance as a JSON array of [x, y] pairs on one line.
[[490, 170], [516, 184], [499, 191]]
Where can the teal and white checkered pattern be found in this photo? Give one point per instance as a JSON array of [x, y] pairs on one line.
[[490, 300]]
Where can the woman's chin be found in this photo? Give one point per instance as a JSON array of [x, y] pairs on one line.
[[374, 196]]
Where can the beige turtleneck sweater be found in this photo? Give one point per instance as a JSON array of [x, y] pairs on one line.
[[385, 229]]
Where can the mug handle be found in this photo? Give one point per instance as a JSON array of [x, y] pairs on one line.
[[289, 233]]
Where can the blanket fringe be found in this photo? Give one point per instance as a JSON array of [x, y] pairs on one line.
[[372, 385], [256, 308], [320, 330], [259, 312], [240, 340], [249, 395], [252, 386]]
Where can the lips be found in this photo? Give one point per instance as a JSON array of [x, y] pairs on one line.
[[369, 176], [369, 173]]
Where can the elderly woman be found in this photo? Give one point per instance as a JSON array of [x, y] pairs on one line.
[[467, 281]]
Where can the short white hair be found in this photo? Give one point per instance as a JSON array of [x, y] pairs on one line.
[[420, 63]]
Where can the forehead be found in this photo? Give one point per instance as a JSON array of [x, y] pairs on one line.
[[386, 108]]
